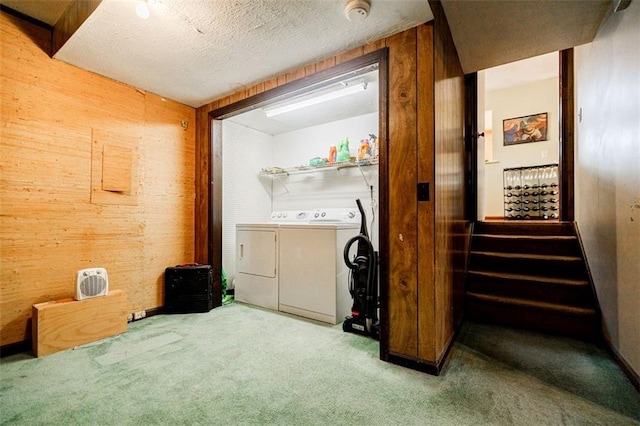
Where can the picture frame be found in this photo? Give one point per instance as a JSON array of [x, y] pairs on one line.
[[525, 129]]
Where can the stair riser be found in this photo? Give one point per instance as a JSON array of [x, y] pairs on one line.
[[570, 295], [524, 245], [519, 228], [583, 327], [542, 267]]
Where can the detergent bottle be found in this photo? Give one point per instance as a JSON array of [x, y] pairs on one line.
[[333, 151], [364, 151], [343, 151], [375, 147]]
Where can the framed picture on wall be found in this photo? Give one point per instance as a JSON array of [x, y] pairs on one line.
[[529, 128]]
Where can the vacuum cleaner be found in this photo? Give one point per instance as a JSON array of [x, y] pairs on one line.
[[363, 283]]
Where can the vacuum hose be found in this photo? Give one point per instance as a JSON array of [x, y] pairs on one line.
[[354, 265]]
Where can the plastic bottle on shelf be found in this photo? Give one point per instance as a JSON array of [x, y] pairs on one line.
[[343, 151], [363, 151], [374, 149], [333, 151]]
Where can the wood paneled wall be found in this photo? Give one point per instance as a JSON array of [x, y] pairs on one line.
[[427, 239], [426, 210], [402, 235], [452, 228], [49, 228]]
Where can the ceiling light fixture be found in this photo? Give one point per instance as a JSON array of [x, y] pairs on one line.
[[142, 8], [620, 5], [348, 90]]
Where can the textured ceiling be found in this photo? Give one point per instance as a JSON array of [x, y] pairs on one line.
[[194, 51], [198, 50]]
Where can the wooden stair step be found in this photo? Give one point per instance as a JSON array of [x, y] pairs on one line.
[[563, 290], [551, 265], [532, 278], [524, 228], [530, 256], [562, 245], [533, 304], [527, 237]]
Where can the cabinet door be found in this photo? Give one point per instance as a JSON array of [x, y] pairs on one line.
[[256, 252]]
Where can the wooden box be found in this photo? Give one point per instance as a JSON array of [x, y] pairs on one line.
[[66, 323]]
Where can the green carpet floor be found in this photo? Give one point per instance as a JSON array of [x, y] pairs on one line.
[[240, 365]]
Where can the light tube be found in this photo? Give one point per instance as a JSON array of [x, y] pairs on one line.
[[316, 100]]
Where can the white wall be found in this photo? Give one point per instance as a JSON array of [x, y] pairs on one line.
[[246, 199], [326, 189], [607, 180], [537, 97]]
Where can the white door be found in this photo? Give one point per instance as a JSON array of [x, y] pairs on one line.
[[256, 252]]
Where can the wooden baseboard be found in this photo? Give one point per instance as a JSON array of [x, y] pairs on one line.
[[414, 364], [433, 368], [490, 218], [632, 375], [153, 312], [15, 348]]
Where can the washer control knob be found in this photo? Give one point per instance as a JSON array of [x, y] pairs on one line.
[[351, 214], [316, 215], [323, 214]]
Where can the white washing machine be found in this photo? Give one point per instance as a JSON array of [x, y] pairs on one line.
[[257, 254], [314, 280]]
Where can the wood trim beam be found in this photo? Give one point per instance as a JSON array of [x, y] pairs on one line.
[[425, 79], [295, 86], [72, 18], [471, 146], [567, 136], [26, 18]]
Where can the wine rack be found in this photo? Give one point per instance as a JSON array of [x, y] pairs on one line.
[[531, 193]]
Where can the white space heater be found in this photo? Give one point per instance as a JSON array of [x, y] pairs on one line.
[[92, 282]]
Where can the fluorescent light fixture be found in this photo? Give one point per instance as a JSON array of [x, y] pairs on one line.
[[348, 90]]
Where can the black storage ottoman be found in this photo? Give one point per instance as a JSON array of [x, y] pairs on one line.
[[188, 289]]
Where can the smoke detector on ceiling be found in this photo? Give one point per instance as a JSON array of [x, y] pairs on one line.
[[357, 10]]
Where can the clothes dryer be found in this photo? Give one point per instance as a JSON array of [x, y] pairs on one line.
[[257, 264]]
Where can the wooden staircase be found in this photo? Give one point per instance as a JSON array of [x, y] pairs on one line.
[[531, 275]]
